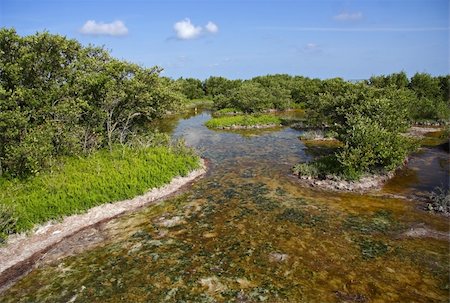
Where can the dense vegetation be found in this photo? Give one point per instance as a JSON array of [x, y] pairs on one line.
[[427, 97], [368, 117], [74, 129], [58, 98], [368, 121], [62, 102]]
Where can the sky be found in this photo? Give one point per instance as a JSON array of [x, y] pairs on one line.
[[352, 39]]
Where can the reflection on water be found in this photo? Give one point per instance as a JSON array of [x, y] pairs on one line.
[[248, 233], [426, 169]]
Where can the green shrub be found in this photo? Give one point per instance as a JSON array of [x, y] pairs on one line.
[[306, 170], [370, 147]]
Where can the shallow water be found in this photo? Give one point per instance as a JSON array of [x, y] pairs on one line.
[[248, 232]]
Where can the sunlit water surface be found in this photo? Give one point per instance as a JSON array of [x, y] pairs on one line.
[[248, 232]]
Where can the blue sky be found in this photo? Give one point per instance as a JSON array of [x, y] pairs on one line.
[[245, 38]]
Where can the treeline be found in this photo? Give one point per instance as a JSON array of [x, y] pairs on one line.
[[60, 98], [428, 96]]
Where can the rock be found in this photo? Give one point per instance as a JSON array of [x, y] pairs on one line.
[[278, 257], [213, 284], [174, 221]]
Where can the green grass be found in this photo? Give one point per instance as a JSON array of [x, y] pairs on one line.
[[81, 183], [243, 121]]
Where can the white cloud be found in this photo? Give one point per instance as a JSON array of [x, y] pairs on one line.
[[116, 28], [346, 16], [212, 27], [185, 30], [312, 48]]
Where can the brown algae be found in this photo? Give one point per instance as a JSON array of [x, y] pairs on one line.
[[249, 233]]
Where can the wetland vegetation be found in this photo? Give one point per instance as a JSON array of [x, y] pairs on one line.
[[79, 128], [244, 121]]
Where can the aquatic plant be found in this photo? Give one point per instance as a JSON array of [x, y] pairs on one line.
[[440, 200], [372, 248]]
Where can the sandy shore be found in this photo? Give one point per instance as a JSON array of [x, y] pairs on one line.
[[22, 251]]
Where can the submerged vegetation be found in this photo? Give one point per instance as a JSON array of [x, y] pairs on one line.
[[440, 200], [255, 240]]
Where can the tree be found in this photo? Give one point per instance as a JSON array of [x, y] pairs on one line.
[[60, 98], [192, 88]]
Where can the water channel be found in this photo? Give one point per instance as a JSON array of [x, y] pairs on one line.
[[248, 232]]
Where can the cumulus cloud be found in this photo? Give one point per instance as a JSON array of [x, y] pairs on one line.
[[346, 16], [116, 28], [212, 27], [185, 30]]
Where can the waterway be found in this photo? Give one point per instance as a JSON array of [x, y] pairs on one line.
[[248, 232]]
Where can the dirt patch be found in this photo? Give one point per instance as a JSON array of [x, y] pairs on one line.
[[421, 131], [22, 251]]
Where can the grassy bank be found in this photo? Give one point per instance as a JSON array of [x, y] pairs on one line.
[[243, 121], [78, 184]]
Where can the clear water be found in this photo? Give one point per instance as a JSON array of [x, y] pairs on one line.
[[248, 232]]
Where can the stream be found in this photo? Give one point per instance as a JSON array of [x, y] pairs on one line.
[[248, 232]]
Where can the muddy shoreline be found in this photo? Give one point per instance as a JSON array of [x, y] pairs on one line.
[[23, 252]]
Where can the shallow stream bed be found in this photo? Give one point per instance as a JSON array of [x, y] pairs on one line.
[[248, 232]]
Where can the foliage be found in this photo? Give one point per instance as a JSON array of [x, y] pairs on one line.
[[243, 121], [227, 111], [306, 169], [191, 88], [324, 167], [79, 184], [59, 98], [369, 146], [423, 97], [8, 222], [397, 80], [220, 86], [368, 121], [318, 134]]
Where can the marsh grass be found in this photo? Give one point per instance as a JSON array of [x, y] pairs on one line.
[[243, 121], [77, 184]]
